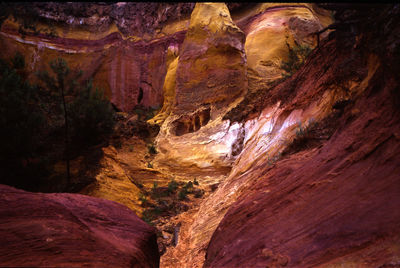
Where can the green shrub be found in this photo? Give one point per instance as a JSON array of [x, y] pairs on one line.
[[143, 199], [188, 186], [182, 194], [152, 149], [172, 186], [151, 214], [304, 130], [198, 193], [195, 182], [296, 58]]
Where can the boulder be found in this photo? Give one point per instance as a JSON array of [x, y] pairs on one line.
[[72, 230]]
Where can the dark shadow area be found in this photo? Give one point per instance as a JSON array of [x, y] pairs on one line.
[[191, 123]]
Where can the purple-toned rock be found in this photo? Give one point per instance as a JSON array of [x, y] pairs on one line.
[[72, 230]]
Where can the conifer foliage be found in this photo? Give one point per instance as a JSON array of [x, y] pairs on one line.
[[40, 125], [297, 56], [87, 115]]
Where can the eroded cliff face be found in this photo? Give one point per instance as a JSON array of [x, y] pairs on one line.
[[307, 166], [210, 75], [213, 73], [313, 178], [123, 50]]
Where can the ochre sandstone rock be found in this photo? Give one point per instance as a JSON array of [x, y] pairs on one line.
[[212, 65], [209, 78], [71, 230], [194, 134], [129, 69], [113, 182], [307, 169], [334, 204], [268, 31]]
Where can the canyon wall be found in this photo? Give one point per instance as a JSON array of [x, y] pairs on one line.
[[126, 57], [315, 183], [217, 65], [306, 164]]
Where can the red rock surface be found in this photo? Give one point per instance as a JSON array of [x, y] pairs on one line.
[[335, 203], [71, 230]]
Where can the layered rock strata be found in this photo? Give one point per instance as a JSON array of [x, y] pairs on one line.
[[316, 182], [210, 75], [210, 78], [129, 66], [70, 230]]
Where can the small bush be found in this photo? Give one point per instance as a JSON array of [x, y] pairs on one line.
[[303, 130], [172, 186], [297, 56], [152, 149], [151, 214], [143, 199], [198, 193], [188, 186], [272, 160], [182, 194], [195, 182]]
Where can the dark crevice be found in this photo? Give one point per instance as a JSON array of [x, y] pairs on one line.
[[191, 123]]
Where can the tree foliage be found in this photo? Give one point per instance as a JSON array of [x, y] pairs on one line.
[[59, 84], [20, 118], [91, 115], [297, 56], [21, 124], [39, 125]]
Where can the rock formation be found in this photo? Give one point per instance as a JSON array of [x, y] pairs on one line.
[[126, 58], [302, 165], [72, 230]]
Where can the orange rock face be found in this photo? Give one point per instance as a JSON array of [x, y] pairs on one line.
[[130, 69], [71, 230], [211, 67], [307, 168], [331, 201]]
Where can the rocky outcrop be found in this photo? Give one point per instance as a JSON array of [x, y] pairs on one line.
[[328, 195], [72, 230], [129, 65], [328, 205], [139, 19], [211, 68], [269, 28], [209, 76], [220, 142]]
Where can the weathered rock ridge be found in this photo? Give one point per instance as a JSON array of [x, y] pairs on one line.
[[316, 183], [304, 169], [212, 74], [70, 230]]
